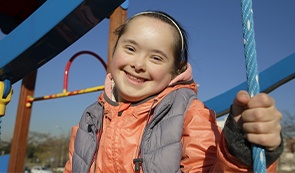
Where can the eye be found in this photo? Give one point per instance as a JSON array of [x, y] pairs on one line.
[[130, 49], [156, 58]]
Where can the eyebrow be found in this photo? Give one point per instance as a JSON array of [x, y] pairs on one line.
[[130, 41], [153, 50], [160, 52]]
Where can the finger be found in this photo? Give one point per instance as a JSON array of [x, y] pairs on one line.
[[261, 115], [269, 141], [242, 98], [261, 128], [240, 102], [261, 100]]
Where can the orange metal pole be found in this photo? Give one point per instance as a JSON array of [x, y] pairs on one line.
[[22, 124], [117, 18], [31, 99]]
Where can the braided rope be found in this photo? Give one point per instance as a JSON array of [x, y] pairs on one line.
[[258, 154]]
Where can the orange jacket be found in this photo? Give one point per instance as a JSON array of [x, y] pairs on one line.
[[204, 148]]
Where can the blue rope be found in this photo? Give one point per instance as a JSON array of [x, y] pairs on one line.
[[258, 153]]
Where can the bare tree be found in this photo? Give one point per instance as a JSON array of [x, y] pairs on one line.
[[288, 125]]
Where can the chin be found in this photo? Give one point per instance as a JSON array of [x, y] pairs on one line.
[[131, 98]]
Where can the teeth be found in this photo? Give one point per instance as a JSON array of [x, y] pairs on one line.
[[135, 78]]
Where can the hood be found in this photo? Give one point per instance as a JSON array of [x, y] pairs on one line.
[[187, 75]]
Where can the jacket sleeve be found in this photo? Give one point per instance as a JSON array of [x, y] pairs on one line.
[[240, 148], [68, 166], [200, 138], [204, 145]]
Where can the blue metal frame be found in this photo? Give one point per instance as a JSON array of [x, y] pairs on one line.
[[4, 160], [270, 79], [49, 30]]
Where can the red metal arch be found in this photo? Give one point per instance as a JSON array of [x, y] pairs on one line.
[[66, 73]]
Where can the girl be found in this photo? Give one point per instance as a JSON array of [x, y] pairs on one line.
[[148, 118]]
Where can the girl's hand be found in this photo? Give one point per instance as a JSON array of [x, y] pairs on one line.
[[259, 119]]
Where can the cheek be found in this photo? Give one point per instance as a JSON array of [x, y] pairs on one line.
[[161, 74], [117, 62]]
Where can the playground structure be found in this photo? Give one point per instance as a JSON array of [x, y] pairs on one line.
[[70, 22], [57, 35], [65, 92]]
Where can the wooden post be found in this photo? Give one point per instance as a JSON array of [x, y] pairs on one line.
[[22, 124], [117, 18]]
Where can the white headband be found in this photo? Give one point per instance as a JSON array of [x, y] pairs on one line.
[[167, 17]]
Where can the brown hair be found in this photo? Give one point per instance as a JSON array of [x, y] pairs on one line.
[[181, 45]]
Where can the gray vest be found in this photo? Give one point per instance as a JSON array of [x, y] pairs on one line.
[[161, 147]]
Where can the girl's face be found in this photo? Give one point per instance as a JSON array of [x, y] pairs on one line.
[[143, 62]]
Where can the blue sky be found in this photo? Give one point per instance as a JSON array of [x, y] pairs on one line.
[[216, 55]]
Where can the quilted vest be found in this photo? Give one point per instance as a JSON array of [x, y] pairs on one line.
[[161, 147]]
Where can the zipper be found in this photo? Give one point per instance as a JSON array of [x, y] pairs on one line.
[[98, 133], [139, 160]]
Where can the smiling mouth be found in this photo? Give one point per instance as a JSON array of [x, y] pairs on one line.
[[135, 79]]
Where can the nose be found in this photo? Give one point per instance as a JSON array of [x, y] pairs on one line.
[[139, 64]]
